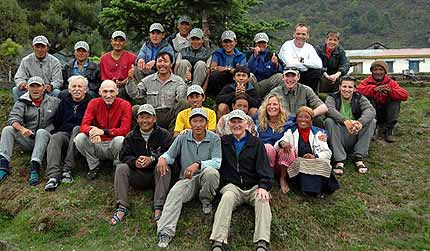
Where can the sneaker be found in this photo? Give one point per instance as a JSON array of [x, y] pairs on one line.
[[34, 178], [67, 177], [51, 185], [207, 208], [389, 137], [262, 246], [92, 174], [3, 175], [164, 241]]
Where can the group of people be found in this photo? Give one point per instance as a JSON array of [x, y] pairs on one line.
[[268, 121]]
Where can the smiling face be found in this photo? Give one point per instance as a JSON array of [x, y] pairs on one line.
[[108, 91], [332, 42], [40, 50], [184, 28], [273, 107], [146, 121], [81, 54], [378, 73], [229, 46], [262, 45], [291, 80], [196, 100], [198, 125], [163, 64], [156, 36], [347, 89], [237, 127], [196, 43], [301, 35], [36, 91], [304, 120], [118, 43], [77, 89]]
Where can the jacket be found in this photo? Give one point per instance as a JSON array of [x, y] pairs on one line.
[[70, 113], [134, 145], [262, 66], [228, 92], [239, 57], [146, 51], [362, 109], [32, 117], [250, 169], [319, 147], [115, 119], [92, 73], [337, 62], [193, 56], [367, 88]]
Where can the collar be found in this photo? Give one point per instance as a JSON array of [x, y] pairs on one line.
[[157, 77], [292, 92], [245, 138], [189, 136], [41, 60], [75, 63]]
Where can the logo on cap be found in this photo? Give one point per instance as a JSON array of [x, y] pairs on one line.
[[195, 89], [82, 44], [119, 34], [156, 26], [228, 35], [146, 108]]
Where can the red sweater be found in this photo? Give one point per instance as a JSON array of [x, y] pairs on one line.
[[115, 120], [367, 88]]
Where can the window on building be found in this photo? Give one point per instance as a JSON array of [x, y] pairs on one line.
[[390, 65], [414, 65], [357, 68]]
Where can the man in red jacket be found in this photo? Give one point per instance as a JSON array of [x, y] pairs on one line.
[[386, 95], [106, 121]]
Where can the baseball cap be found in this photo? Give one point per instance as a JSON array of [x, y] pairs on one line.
[[119, 34], [35, 80], [195, 89], [146, 108], [196, 32], [291, 69], [261, 37], [40, 40], [237, 114], [182, 19], [199, 111], [156, 26], [228, 35], [82, 44]]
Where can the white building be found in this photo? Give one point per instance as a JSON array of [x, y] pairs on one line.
[[398, 60]]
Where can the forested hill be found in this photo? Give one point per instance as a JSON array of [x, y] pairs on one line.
[[395, 23]]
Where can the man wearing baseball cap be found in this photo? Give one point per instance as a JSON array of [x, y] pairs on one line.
[[264, 65], [224, 60], [181, 39], [139, 155], [195, 97], [297, 95], [386, 95], [193, 61], [246, 177], [81, 65], [199, 151], [150, 48], [30, 123], [115, 64], [297, 52], [39, 63]]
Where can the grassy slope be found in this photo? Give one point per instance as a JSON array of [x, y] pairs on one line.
[[388, 209]]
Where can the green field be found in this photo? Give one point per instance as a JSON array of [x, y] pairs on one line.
[[387, 209]]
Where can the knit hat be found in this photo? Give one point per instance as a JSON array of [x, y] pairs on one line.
[[306, 110], [379, 63]]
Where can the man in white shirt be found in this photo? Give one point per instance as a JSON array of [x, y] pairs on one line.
[[300, 54]]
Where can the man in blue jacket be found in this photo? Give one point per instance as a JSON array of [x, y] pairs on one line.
[[224, 60], [264, 65]]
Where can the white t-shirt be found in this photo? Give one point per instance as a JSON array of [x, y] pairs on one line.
[[302, 58]]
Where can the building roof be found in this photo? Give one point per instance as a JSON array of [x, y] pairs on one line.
[[389, 53]]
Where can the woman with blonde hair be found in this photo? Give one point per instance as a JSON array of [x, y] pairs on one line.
[[273, 121]]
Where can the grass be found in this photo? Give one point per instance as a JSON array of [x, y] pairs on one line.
[[387, 209]]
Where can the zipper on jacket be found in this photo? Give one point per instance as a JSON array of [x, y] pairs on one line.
[[237, 166]]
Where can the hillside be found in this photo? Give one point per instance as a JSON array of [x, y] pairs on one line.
[[395, 23]]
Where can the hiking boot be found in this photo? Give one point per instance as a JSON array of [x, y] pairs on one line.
[[92, 174], [34, 173], [52, 184], [379, 134], [67, 177], [207, 208], [262, 246], [389, 137], [164, 241], [4, 167]]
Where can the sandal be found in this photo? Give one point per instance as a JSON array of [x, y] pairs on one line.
[[115, 219], [338, 169], [362, 169]]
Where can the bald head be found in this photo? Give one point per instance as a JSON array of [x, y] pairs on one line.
[[108, 91]]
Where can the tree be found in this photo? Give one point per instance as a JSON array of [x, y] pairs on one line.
[[14, 23]]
